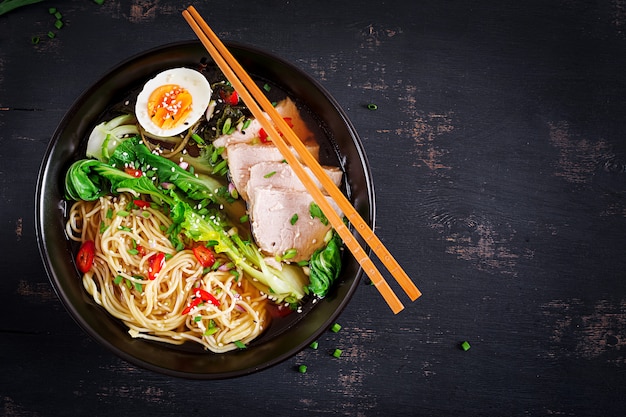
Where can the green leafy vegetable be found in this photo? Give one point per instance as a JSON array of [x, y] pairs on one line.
[[208, 159], [90, 179], [105, 137], [316, 212], [325, 266], [200, 187]]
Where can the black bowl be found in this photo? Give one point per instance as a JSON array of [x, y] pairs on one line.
[[285, 337]]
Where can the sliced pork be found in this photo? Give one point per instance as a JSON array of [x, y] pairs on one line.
[[242, 156], [287, 109], [278, 203], [279, 174], [272, 214]]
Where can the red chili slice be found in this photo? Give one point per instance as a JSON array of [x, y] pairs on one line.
[[206, 296], [232, 98], [141, 251], [191, 305], [85, 256], [156, 263], [201, 296], [204, 255], [263, 136], [141, 203], [137, 173]]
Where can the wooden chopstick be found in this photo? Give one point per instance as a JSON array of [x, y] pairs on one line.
[[257, 103]]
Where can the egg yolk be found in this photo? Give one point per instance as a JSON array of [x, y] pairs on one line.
[[169, 105]]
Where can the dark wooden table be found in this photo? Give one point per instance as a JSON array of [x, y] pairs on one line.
[[498, 152]]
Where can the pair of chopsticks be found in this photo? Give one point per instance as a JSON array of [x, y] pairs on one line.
[[257, 103]]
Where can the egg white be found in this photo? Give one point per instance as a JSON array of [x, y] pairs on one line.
[[194, 82]]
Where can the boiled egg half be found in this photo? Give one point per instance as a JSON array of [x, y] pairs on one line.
[[172, 101]]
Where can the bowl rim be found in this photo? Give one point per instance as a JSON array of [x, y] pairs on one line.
[[41, 205]]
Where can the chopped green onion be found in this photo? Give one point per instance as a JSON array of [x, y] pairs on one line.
[[465, 346], [239, 344], [244, 218], [145, 214], [337, 353], [52, 10], [51, 34], [269, 174], [213, 267], [210, 331], [290, 253], [99, 2], [246, 124], [220, 168], [293, 219], [372, 106], [197, 138], [235, 273], [267, 87], [197, 319], [123, 213], [109, 214], [226, 126], [314, 345], [302, 369], [58, 24], [118, 279], [335, 328], [133, 251], [35, 40], [58, 15]]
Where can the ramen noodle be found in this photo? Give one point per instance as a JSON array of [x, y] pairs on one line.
[[215, 307]]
